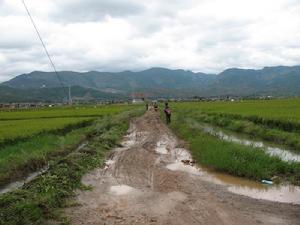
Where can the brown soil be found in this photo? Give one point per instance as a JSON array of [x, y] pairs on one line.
[[146, 182]]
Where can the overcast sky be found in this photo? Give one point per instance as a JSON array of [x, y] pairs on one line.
[[115, 35]]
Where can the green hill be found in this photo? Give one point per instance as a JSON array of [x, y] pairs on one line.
[[154, 82]]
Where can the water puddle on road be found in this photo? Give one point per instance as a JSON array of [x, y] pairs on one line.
[[161, 148], [177, 166], [182, 159], [237, 185], [253, 189], [283, 154], [133, 137], [122, 189], [285, 194]]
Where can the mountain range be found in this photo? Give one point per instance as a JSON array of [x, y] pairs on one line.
[[152, 83]]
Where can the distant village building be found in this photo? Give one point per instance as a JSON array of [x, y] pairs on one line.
[[137, 97], [137, 101], [27, 105]]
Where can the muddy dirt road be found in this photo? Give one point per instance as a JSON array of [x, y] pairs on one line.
[[146, 182]]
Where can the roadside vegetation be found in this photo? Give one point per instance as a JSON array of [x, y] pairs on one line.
[[233, 158], [27, 144], [40, 201]]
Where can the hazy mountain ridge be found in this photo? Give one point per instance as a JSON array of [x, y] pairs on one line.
[[56, 94], [121, 81], [161, 82]]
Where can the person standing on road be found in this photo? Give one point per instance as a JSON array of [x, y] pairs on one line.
[[155, 106], [168, 113]]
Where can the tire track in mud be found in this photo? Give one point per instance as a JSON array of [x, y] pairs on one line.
[[146, 182]]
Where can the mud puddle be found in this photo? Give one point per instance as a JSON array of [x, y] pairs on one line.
[[122, 189], [241, 186], [133, 137], [182, 161], [272, 150], [253, 189]]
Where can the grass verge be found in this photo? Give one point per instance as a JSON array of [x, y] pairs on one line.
[[40, 200]]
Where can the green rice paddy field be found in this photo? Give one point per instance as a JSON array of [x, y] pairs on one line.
[[20, 124], [273, 121], [30, 138], [282, 109]]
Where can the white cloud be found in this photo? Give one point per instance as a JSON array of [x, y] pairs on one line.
[[199, 35]]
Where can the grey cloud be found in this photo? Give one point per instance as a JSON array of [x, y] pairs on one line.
[[95, 10], [140, 34], [18, 62], [6, 44]]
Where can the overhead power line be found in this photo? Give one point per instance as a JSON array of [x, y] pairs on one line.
[[45, 48]]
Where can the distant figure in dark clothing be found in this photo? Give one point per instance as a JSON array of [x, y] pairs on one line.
[[155, 106], [168, 113], [147, 106]]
